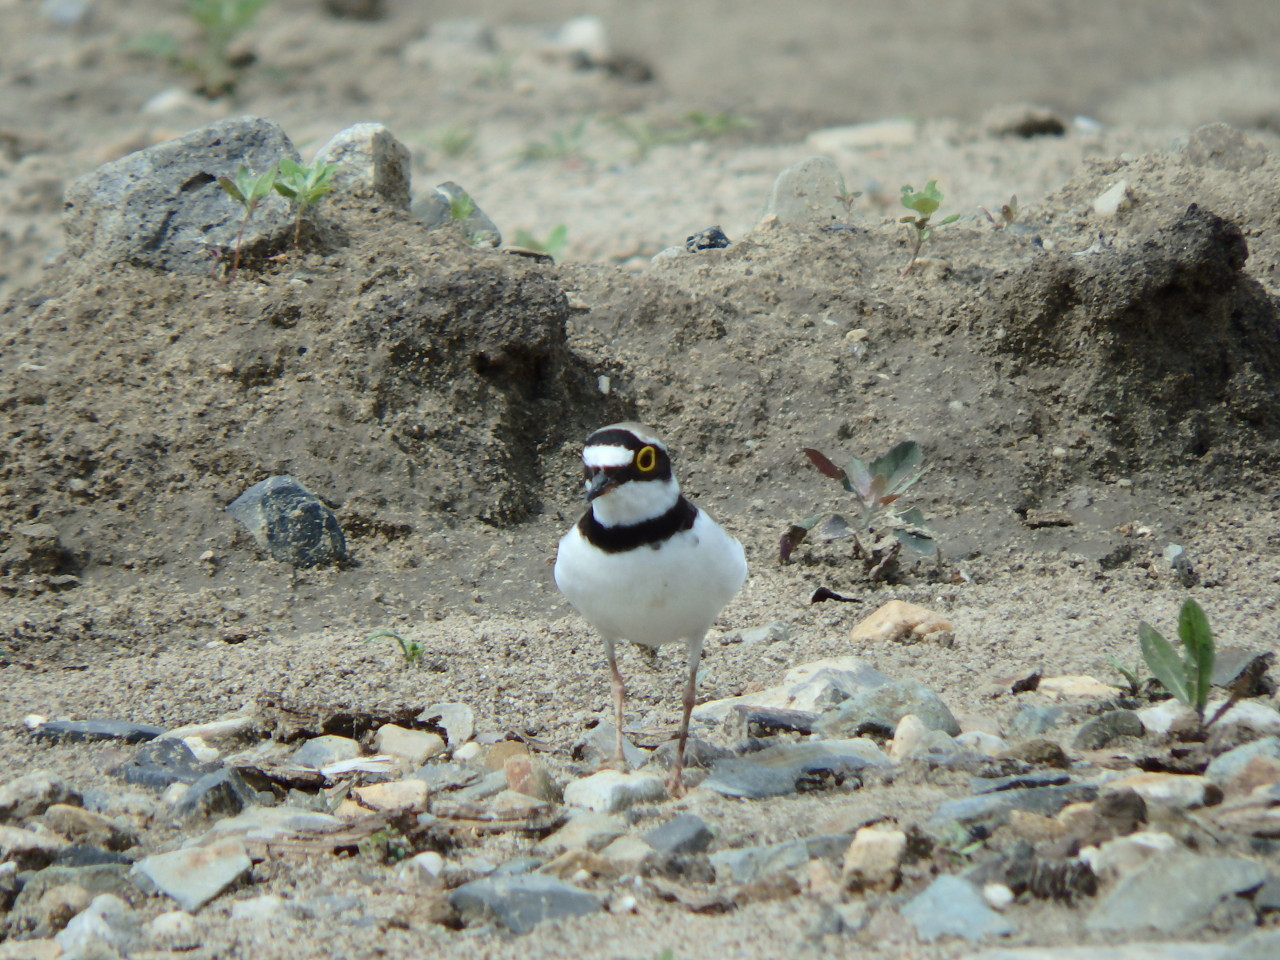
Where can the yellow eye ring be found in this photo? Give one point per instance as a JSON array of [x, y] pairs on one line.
[[646, 459]]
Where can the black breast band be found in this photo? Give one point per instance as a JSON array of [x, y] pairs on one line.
[[651, 533]]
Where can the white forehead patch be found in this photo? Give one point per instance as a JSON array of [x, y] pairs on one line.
[[602, 456]]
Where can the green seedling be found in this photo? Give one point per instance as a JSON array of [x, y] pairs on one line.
[[461, 206], [925, 203], [1008, 214], [709, 126], [554, 244], [565, 145], [303, 186], [882, 527], [219, 23], [1132, 682], [847, 199], [249, 191], [411, 649], [1186, 677], [454, 141]]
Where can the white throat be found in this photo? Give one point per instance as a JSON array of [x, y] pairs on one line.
[[635, 502]]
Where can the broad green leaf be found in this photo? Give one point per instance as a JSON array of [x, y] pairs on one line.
[[1197, 641], [229, 186], [859, 479], [949, 219], [898, 465], [291, 168], [1164, 662]]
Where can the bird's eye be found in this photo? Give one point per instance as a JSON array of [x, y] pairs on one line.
[[646, 459]]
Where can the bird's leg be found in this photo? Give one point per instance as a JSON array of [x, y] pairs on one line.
[[675, 779], [619, 697]]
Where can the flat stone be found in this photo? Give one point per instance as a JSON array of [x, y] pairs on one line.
[[873, 858], [519, 903], [1121, 856], [807, 191], [610, 791], [628, 851], [195, 875], [598, 744], [81, 730], [227, 728], [107, 920], [448, 775], [88, 855], [1115, 199], [585, 830], [1225, 766], [683, 834], [415, 746], [860, 136], [436, 209], [264, 823], [321, 751], [1106, 729], [217, 794], [1128, 951], [33, 794], [1033, 720], [161, 763], [1076, 686], [1183, 791], [790, 767], [993, 809], [952, 907], [900, 622], [879, 710], [1019, 781], [410, 794], [457, 719], [290, 523], [27, 848], [745, 864], [371, 162], [1178, 891]]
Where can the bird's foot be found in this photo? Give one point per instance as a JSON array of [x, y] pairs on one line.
[[675, 785]]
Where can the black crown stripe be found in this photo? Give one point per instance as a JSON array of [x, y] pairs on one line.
[[615, 438], [648, 533]]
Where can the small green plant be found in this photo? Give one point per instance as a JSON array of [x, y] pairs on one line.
[[1008, 214], [847, 199], [565, 145], [461, 206], [219, 23], [708, 126], [882, 528], [386, 846], [554, 244], [411, 649], [925, 203], [303, 186], [454, 141], [249, 191], [1186, 677], [1132, 682]]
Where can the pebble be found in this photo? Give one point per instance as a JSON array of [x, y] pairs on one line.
[[746, 864], [1160, 718], [1122, 856], [774, 632], [532, 779], [880, 708], [861, 136], [195, 875], [900, 622], [415, 746], [457, 719], [1112, 201], [440, 777], [435, 209], [1225, 766], [986, 744], [1178, 890], [598, 745], [495, 758], [1183, 791], [29, 849], [321, 751], [873, 858], [88, 730], [1106, 729], [807, 191], [33, 794], [175, 930], [290, 523], [215, 794], [611, 791], [519, 903], [584, 830], [712, 238], [396, 795], [787, 767], [681, 835], [371, 162], [1033, 720], [953, 907]]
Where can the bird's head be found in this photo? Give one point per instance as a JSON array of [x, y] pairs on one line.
[[628, 462]]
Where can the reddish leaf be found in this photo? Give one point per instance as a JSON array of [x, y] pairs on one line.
[[825, 466]]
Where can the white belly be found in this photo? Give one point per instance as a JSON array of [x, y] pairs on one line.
[[653, 596]]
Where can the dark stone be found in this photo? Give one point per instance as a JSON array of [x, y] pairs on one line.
[[993, 809], [223, 792], [878, 710], [290, 523], [87, 855], [78, 730], [162, 207], [520, 903], [712, 238], [786, 768], [744, 722], [1041, 752], [1104, 730], [1112, 815], [1020, 781], [1243, 671], [697, 754], [684, 834], [745, 864], [161, 763]]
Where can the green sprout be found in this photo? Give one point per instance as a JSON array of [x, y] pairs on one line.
[[1008, 214], [881, 529], [1132, 682], [709, 126], [461, 206], [303, 186], [565, 145], [454, 141], [219, 23], [553, 246], [847, 199], [411, 649], [1186, 677], [925, 203], [249, 191]]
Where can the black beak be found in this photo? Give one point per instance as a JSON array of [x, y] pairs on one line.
[[598, 484]]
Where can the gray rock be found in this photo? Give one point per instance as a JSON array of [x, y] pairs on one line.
[[1128, 951], [519, 903], [1262, 945], [80, 730], [1020, 781], [807, 191], [162, 207], [787, 768], [1177, 891], [290, 522], [321, 751], [371, 162], [457, 720], [744, 722], [610, 791], [194, 875], [100, 878], [107, 920], [215, 794], [448, 775], [773, 632], [87, 855], [1225, 766], [1032, 720], [683, 834], [1104, 730], [993, 809], [951, 907], [1239, 667], [161, 763], [585, 830], [880, 708], [33, 794], [490, 785], [597, 746], [712, 238], [263, 823], [436, 210], [746, 864]]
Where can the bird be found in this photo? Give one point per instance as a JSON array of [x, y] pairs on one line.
[[645, 564]]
